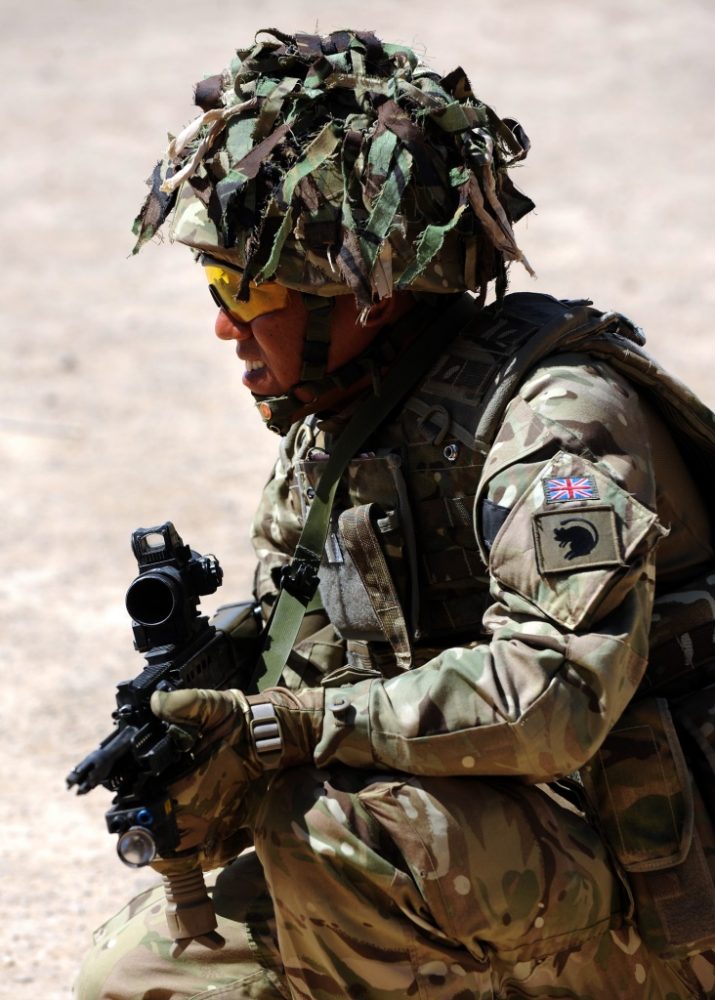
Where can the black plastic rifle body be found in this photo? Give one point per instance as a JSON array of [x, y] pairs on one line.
[[142, 755]]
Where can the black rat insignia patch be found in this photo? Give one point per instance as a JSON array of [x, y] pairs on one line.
[[575, 539], [578, 535]]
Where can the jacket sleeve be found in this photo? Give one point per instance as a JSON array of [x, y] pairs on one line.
[[569, 489]]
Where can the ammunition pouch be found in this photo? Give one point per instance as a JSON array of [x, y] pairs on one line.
[[652, 788]]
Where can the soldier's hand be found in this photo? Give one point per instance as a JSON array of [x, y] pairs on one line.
[[236, 741], [212, 715], [209, 800]]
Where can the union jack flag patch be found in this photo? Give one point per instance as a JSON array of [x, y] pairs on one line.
[[571, 488]]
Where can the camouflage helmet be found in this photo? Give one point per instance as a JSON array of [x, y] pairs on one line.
[[342, 164]]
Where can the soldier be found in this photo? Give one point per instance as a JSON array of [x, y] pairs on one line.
[[471, 778]]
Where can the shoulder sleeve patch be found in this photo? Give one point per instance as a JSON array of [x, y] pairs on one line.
[[561, 551], [580, 536]]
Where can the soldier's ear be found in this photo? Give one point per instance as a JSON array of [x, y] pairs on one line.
[[387, 310]]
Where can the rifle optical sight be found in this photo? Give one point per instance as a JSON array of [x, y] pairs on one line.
[[152, 599], [163, 599]]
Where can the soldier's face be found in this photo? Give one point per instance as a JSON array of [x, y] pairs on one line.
[[271, 345]]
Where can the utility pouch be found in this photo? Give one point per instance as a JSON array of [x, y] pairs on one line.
[[694, 716], [654, 821], [356, 585]]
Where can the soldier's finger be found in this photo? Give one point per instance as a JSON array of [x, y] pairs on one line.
[[205, 709]]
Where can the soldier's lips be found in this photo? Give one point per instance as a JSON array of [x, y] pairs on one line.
[[257, 376]]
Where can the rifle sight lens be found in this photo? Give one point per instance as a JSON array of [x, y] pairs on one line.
[[136, 848], [151, 600]]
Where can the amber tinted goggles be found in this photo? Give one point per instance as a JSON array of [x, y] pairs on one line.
[[265, 298]]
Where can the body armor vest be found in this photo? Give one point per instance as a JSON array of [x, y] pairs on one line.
[[404, 567]]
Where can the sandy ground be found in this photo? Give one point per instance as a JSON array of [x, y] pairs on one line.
[[117, 407]]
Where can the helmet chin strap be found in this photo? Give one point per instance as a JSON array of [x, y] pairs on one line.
[[317, 336], [279, 412]]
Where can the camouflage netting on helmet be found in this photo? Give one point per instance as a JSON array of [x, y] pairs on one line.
[[341, 163]]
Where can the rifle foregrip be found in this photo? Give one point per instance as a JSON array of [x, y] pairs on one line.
[[189, 910]]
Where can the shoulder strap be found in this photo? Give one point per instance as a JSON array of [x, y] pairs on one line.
[[471, 384], [563, 325], [682, 408], [578, 326]]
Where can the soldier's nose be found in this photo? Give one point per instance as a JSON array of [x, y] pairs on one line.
[[228, 328]]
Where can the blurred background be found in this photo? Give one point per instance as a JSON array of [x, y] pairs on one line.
[[119, 409]]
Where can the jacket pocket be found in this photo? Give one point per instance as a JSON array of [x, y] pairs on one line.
[[654, 821]]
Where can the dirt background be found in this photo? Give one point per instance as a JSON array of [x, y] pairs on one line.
[[117, 407]]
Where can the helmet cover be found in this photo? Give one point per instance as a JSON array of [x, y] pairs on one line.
[[342, 164]]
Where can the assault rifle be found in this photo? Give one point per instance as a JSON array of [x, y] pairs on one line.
[[142, 755]]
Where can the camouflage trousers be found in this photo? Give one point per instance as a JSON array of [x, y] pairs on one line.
[[379, 888]]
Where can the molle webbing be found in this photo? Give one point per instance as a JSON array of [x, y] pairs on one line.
[[610, 337], [480, 373], [680, 662], [682, 640]]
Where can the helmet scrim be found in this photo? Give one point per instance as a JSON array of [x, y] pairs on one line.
[[342, 164]]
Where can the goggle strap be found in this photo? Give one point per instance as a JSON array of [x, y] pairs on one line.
[[244, 292]]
